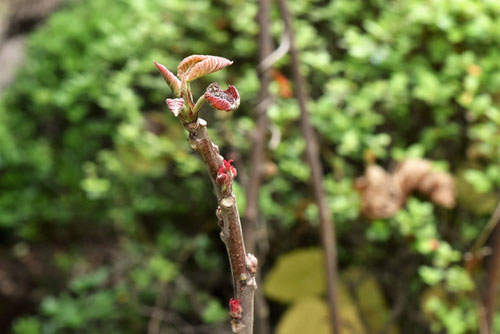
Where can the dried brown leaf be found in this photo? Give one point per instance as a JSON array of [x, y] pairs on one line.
[[383, 193]]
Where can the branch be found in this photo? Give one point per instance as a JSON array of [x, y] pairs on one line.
[[325, 218], [486, 232], [481, 311], [257, 154], [261, 121], [231, 234], [492, 280], [154, 324], [222, 174], [492, 228]]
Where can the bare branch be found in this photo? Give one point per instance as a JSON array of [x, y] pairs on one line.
[[243, 279], [259, 135], [492, 280], [327, 231], [488, 228], [154, 324], [276, 55], [257, 154]]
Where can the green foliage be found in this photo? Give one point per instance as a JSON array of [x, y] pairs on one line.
[[456, 319], [214, 312], [27, 326]]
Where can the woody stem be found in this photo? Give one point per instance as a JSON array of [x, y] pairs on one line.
[[244, 285]]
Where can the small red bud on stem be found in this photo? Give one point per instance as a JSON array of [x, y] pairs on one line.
[[235, 308]]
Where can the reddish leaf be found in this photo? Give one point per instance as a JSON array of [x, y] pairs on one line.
[[283, 83], [227, 100], [187, 63], [170, 78], [175, 105], [196, 66]]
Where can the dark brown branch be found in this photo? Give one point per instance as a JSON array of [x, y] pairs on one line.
[[326, 224], [492, 280], [257, 156], [259, 134], [244, 283]]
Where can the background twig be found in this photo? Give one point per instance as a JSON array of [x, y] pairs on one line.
[[154, 324], [486, 232], [325, 219], [257, 157], [259, 135], [492, 279]]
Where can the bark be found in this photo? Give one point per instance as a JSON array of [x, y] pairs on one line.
[[231, 234], [327, 231]]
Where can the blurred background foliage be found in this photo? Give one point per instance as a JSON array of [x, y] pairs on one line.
[[106, 215]]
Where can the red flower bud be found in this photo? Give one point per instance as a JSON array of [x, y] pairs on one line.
[[222, 179], [235, 308], [227, 100], [226, 173]]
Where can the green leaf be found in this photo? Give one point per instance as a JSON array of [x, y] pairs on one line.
[[214, 312], [297, 274], [370, 299], [305, 316], [89, 281], [458, 279], [27, 326], [431, 275], [479, 180], [379, 230], [163, 269]]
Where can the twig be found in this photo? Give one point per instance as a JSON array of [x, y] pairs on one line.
[[396, 311], [488, 228], [221, 172], [492, 280], [326, 224], [493, 275], [257, 156], [259, 134], [276, 55], [231, 226], [154, 324], [481, 312]]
